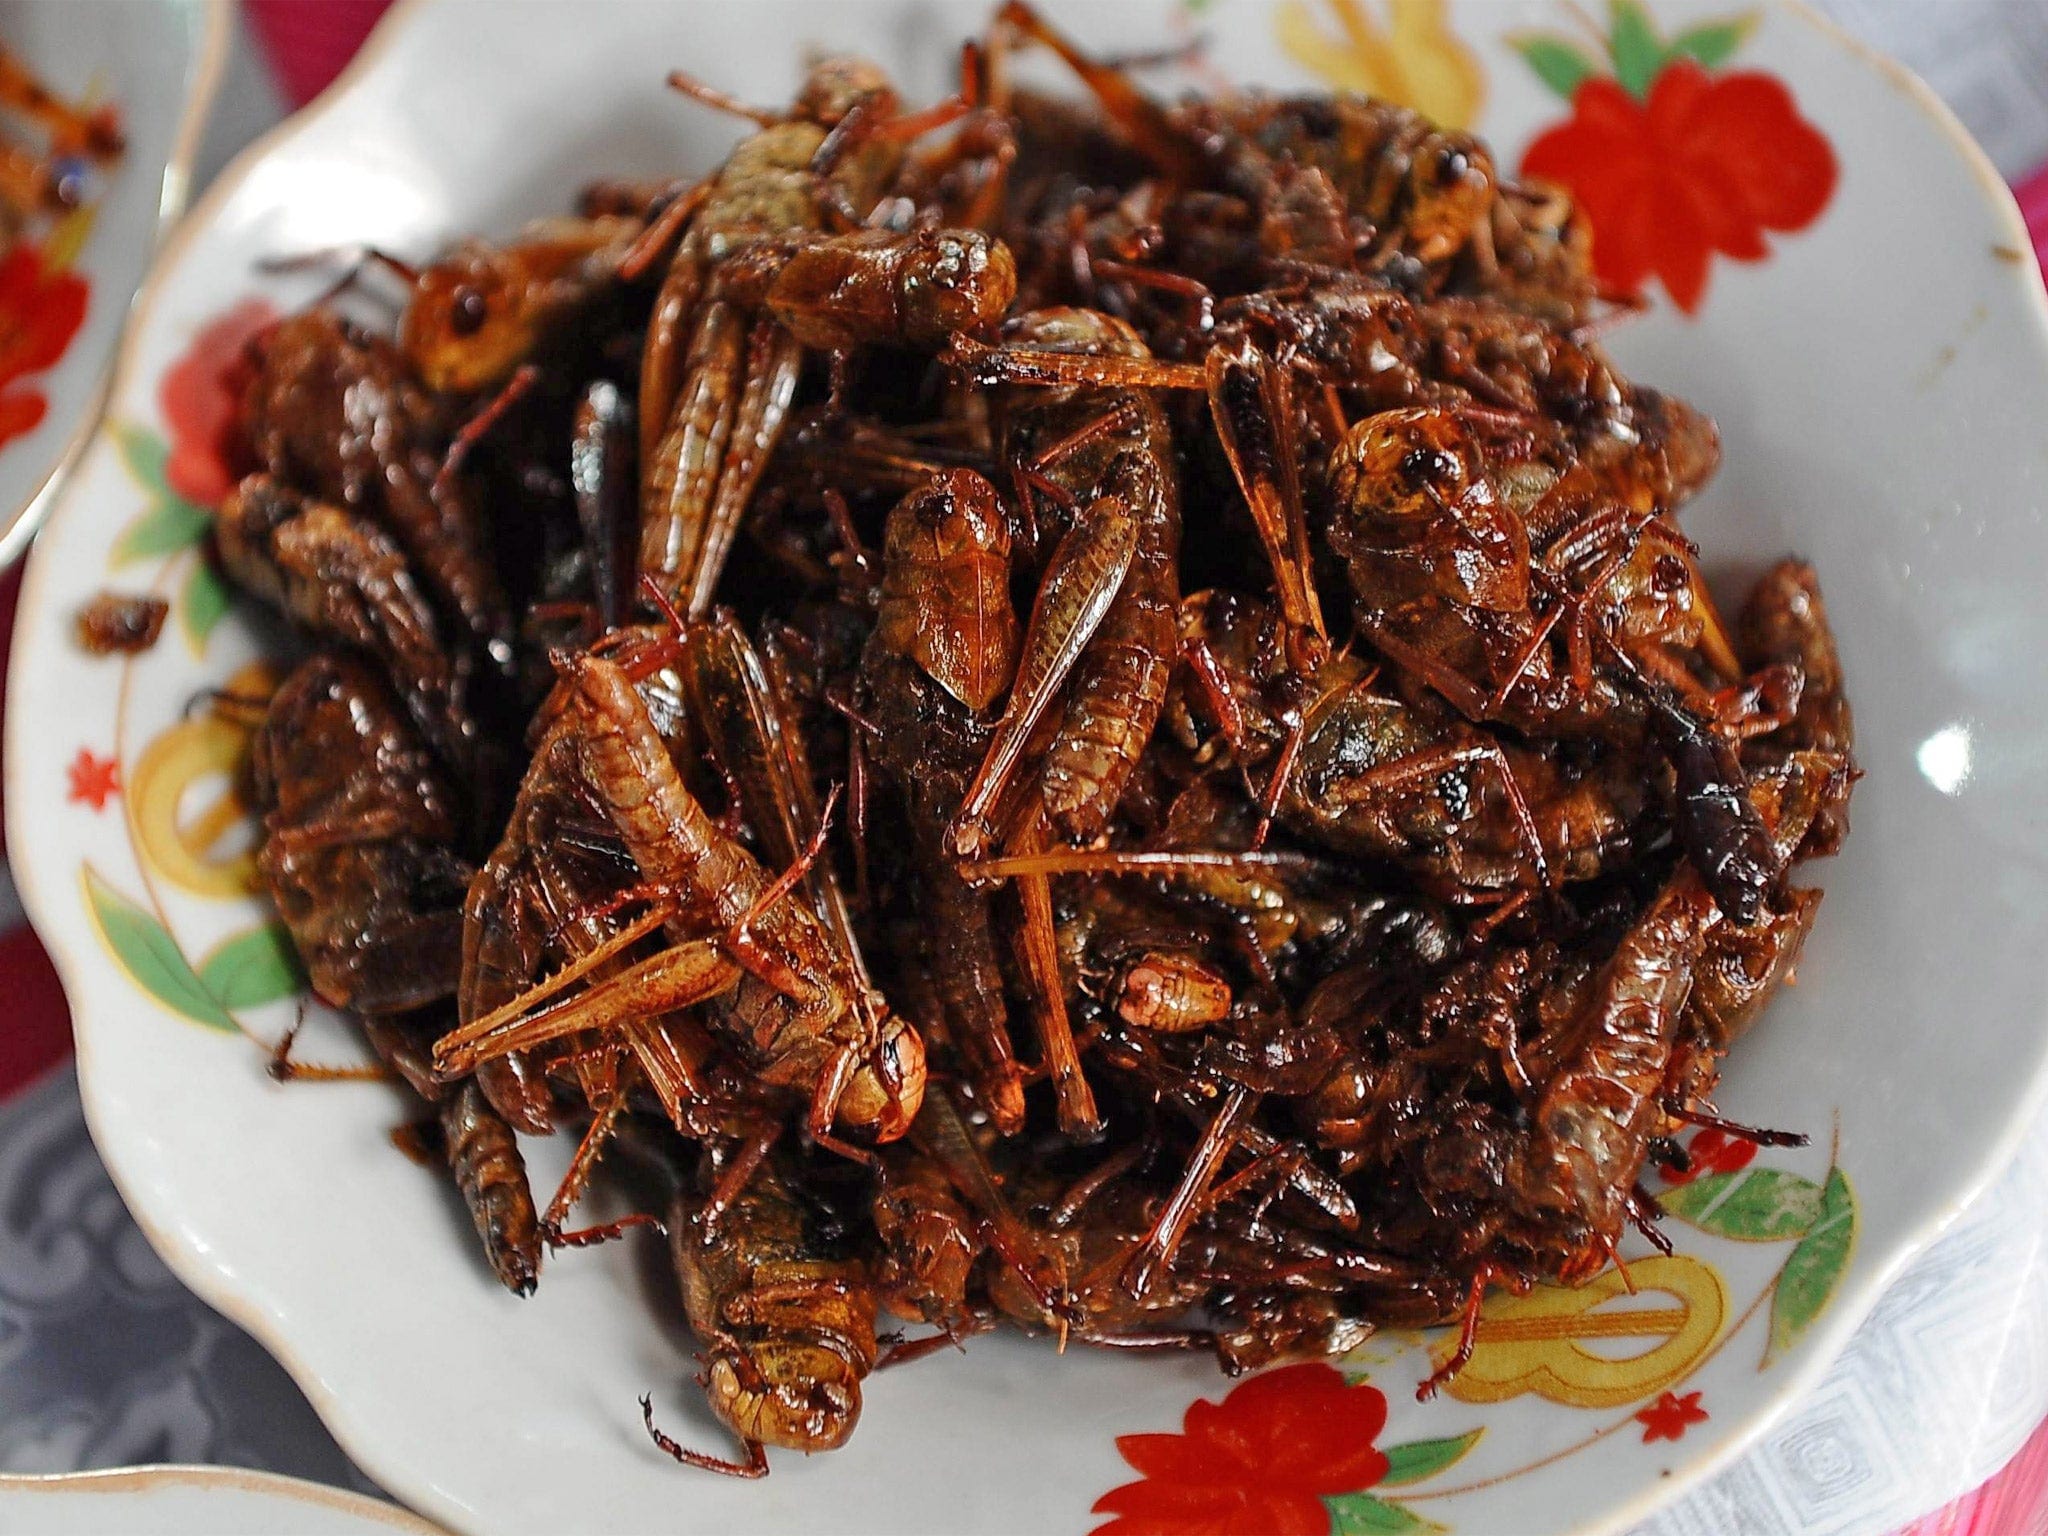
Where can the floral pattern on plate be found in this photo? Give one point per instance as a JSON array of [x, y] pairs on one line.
[[1673, 160]]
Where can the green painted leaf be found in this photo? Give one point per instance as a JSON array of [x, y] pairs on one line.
[[205, 602], [1714, 43], [1360, 1514], [170, 523], [1637, 50], [1557, 63], [150, 956], [1756, 1205], [1418, 1459], [145, 454], [165, 528], [1807, 1283], [253, 968]]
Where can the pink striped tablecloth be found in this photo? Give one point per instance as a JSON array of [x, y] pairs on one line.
[[107, 1360]]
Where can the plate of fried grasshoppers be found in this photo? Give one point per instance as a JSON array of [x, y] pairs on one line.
[[1149, 696]]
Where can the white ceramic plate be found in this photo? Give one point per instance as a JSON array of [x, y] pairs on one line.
[[1880, 379], [159, 61], [192, 1501]]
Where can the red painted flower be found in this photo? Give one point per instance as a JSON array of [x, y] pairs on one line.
[[41, 309], [1261, 1460], [199, 395], [1713, 1151], [1703, 164], [1670, 1416], [93, 779]]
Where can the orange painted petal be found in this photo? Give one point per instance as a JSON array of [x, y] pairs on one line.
[[1303, 1428], [1177, 1458], [1166, 1509], [195, 471], [1681, 253], [1751, 129], [21, 412], [1626, 229], [1675, 97], [20, 271], [199, 395], [1720, 211], [1600, 105], [59, 310], [1606, 160]]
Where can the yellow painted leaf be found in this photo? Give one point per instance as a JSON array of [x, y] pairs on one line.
[[193, 842], [1353, 62], [1442, 76], [68, 238]]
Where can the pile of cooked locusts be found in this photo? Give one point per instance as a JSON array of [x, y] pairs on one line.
[[1095, 715]]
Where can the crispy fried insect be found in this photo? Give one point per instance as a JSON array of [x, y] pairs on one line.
[[724, 348], [927, 743], [359, 832], [1103, 462], [492, 1177], [734, 931], [1452, 580], [335, 412], [1081, 583], [930, 1244], [1785, 621], [1255, 1329], [112, 622], [1355, 765], [481, 311], [345, 580], [946, 587], [1742, 966], [749, 727], [874, 286], [786, 1320], [1171, 992], [1399, 185]]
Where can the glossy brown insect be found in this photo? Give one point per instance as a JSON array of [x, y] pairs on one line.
[[111, 622], [787, 1324], [735, 931], [360, 831]]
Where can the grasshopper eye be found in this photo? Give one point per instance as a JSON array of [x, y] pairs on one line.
[[1431, 468], [467, 312]]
